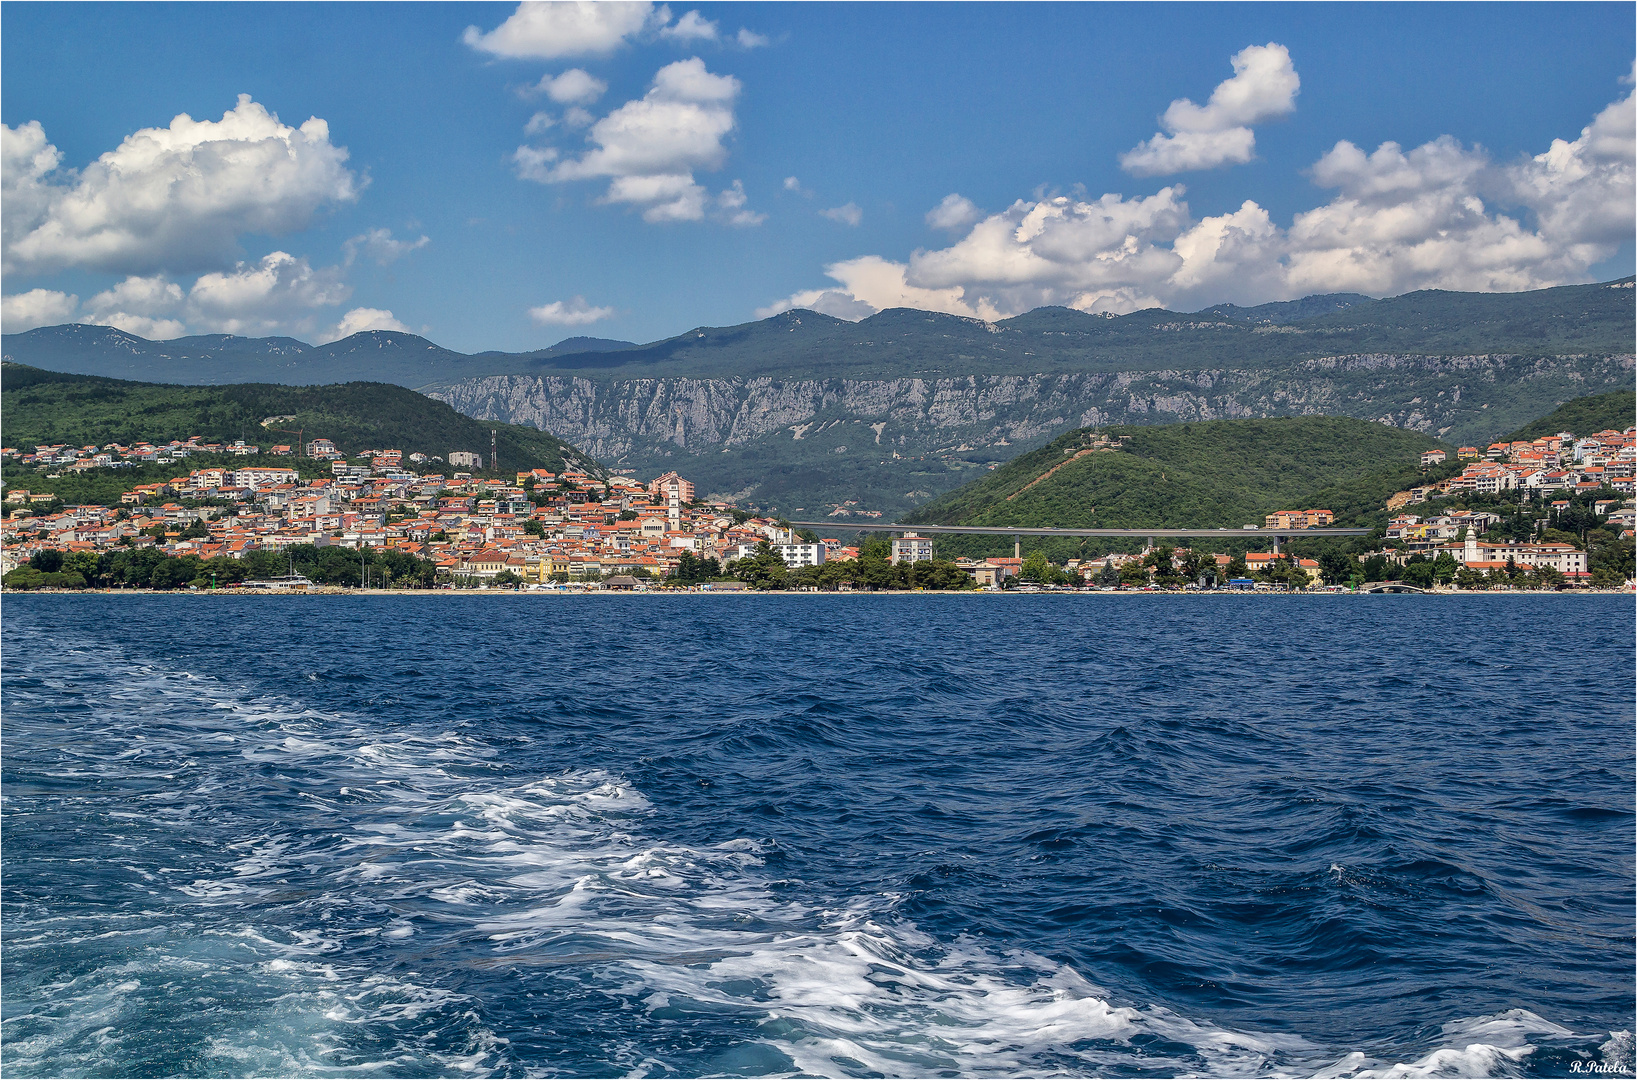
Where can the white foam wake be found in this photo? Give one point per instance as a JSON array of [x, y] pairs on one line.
[[291, 946]]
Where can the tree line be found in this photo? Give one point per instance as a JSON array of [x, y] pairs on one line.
[[150, 568]]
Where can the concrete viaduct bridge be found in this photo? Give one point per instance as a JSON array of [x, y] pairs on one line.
[[1277, 536]]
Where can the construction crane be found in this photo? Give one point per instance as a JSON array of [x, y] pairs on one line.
[[299, 434]]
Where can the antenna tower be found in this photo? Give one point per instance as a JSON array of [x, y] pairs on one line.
[[494, 457]]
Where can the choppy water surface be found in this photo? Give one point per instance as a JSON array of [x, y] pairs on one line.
[[844, 836]]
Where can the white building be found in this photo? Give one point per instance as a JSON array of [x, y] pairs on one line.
[[1563, 558], [465, 459], [798, 555], [911, 548], [264, 477]]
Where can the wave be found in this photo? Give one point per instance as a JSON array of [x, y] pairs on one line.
[[289, 890]]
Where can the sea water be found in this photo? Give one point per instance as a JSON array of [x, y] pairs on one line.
[[842, 836]]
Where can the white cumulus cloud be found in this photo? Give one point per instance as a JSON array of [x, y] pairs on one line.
[[847, 214], [1264, 86], [691, 27], [955, 212], [175, 198], [1441, 215], [279, 293], [1582, 191], [144, 306], [750, 39], [731, 207], [573, 87], [37, 307], [575, 312], [359, 320], [534, 163], [380, 247], [650, 148], [870, 284], [143, 326], [553, 29]]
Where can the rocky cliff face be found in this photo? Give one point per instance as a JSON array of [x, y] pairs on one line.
[[884, 444]]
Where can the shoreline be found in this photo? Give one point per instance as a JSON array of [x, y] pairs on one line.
[[490, 593]]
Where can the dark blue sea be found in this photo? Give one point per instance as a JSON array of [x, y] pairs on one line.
[[828, 836]]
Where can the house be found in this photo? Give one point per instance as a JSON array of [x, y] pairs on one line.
[[1260, 561], [486, 563], [991, 572], [1433, 457]]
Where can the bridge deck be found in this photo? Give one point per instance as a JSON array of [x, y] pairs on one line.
[[1002, 530]]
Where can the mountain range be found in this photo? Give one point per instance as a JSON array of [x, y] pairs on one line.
[[804, 412]]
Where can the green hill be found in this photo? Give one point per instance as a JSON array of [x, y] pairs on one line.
[[43, 407], [1584, 416], [1215, 474]]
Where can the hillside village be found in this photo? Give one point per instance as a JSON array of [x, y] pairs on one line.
[[542, 528]]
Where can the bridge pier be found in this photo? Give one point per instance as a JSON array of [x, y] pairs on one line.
[[1017, 549]]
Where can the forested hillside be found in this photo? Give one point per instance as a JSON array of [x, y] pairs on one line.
[[1584, 416], [1217, 474], [44, 407]]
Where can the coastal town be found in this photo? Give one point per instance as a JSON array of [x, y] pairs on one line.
[[571, 529]]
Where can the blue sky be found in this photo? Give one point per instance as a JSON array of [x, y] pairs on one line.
[[706, 165]]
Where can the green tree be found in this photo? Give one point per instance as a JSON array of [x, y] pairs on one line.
[[1336, 567], [1133, 573], [84, 563], [534, 527], [1038, 569], [1420, 574], [1611, 560], [875, 546], [1200, 567], [762, 570], [1547, 577]]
